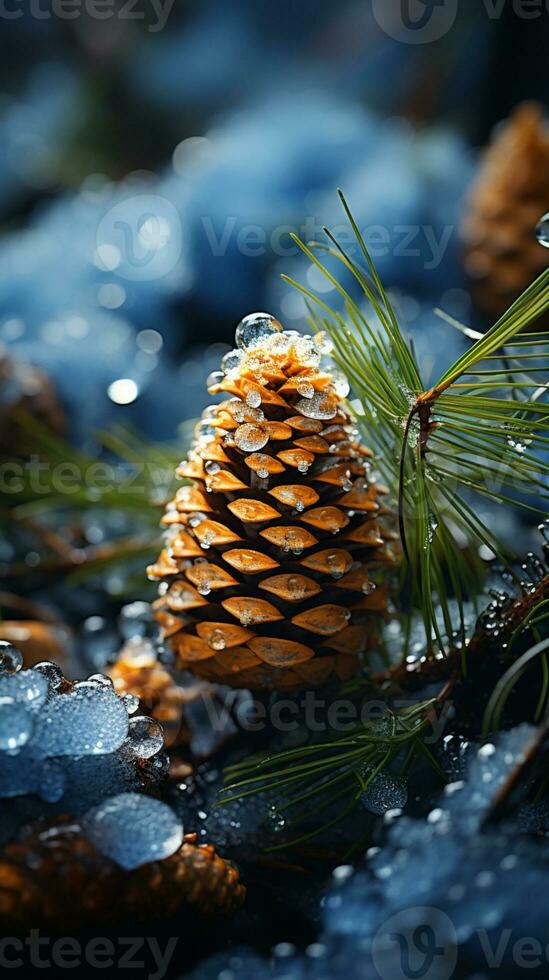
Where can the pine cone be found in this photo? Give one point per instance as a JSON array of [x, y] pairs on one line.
[[510, 195], [137, 671], [25, 388], [54, 878], [266, 570]]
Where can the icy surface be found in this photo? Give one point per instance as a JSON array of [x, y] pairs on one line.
[[454, 875], [156, 832], [71, 744]]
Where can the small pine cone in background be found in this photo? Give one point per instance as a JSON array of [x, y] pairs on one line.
[[54, 878], [266, 572], [509, 196], [137, 671], [25, 388]]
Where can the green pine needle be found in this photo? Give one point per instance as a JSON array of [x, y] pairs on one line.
[[478, 430]]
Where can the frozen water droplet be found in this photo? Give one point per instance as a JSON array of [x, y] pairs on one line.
[[516, 444], [385, 792], [275, 821], [305, 389], [320, 406], [341, 384], [101, 679], [250, 437], [11, 659], [212, 468], [306, 351], [215, 378], [542, 231], [52, 673], [323, 342], [133, 830], [196, 519], [253, 328], [216, 640], [303, 465], [145, 737], [253, 399], [131, 703], [231, 361]]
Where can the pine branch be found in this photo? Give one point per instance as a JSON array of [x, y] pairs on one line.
[[478, 430]]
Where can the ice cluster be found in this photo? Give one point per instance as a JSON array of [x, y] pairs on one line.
[[156, 833], [452, 886], [71, 744]]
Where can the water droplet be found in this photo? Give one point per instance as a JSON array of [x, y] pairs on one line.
[[131, 703], [215, 378], [11, 659], [323, 342], [341, 384], [275, 821], [212, 468], [253, 399], [385, 792], [320, 406], [216, 640], [542, 231], [196, 519], [305, 389], [254, 328], [52, 673], [133, 829], [145, 737], [250, 437], [231, 361]]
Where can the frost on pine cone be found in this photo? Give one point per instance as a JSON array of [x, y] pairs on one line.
[[265, 575], [53, 877], [510, 195]]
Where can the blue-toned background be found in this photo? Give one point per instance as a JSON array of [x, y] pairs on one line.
[[155, 160]]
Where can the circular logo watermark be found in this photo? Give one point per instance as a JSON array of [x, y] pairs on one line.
[[416, 944], [415, 21], [139, 238]]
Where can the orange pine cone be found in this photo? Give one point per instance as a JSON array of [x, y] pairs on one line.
[[137, 671], [508, 198], [266, 573], [53, 878]]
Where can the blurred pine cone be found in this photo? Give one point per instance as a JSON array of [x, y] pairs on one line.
[[137, 671], [266, 570], [25, 388], [508, 198], [52, 877]]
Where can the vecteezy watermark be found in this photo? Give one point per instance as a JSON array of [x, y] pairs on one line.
[[425, 21], [423, 242], [99, 953], [154, 13], [415, 21], [68, 478], [421, 943], [140, 238], [310, 712], [416, 944]]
